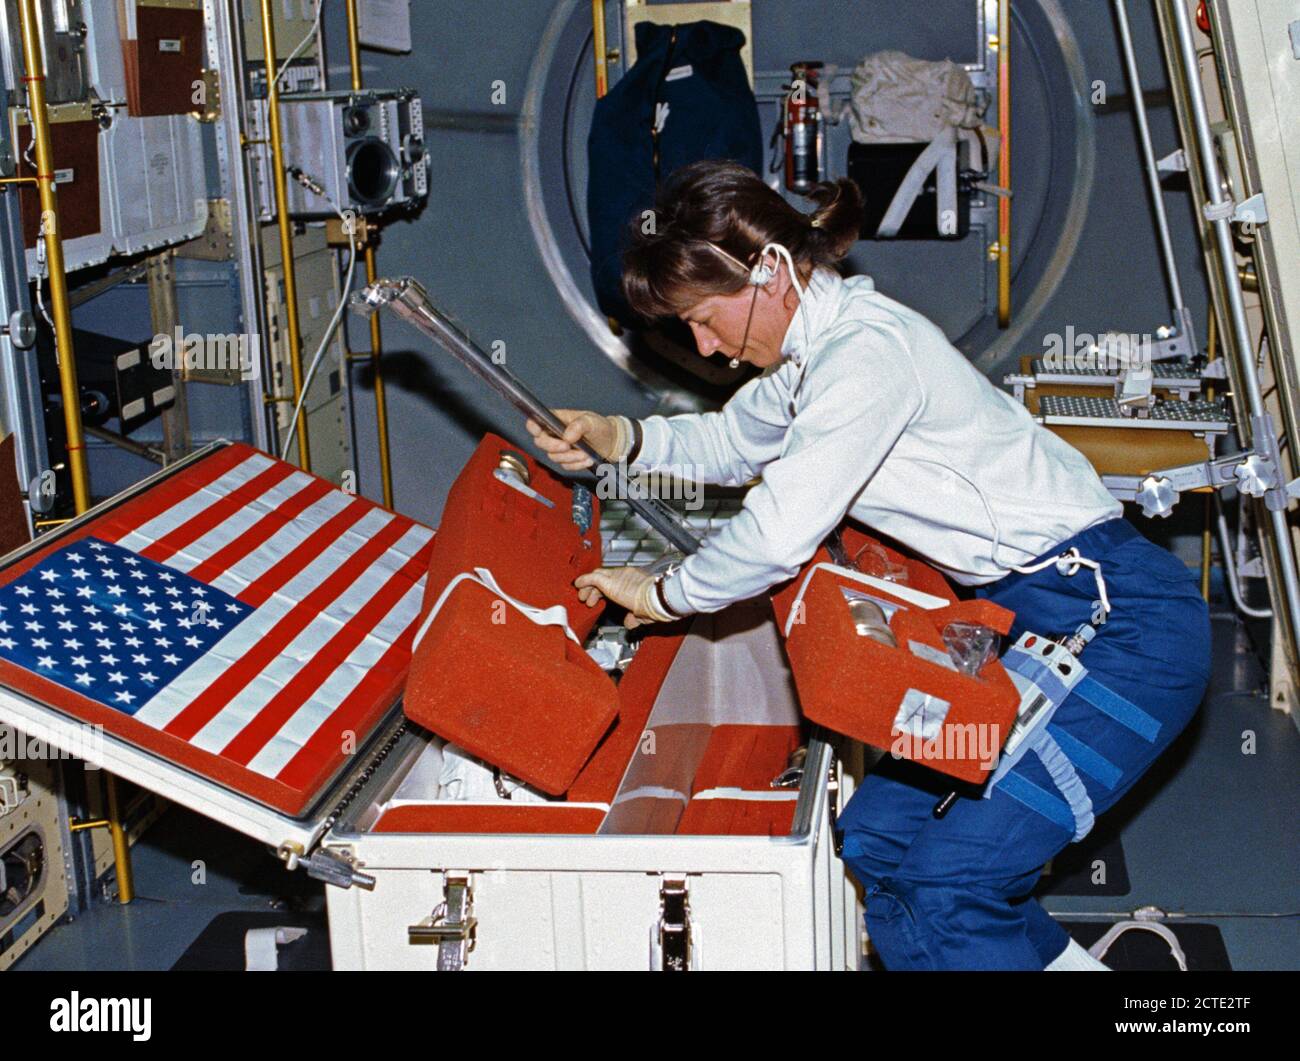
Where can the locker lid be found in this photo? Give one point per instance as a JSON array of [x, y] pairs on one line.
[[232, 634]]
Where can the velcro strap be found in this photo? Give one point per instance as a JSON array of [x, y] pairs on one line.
[[1125, 712]]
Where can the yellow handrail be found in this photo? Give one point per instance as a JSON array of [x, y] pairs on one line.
[[1004, 162], [281, 183], [53, 236], [372, 274]]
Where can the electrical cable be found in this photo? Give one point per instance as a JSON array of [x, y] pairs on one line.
[[331, 328], [311, 35]]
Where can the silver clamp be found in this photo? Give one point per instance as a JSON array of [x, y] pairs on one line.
[[452, 925], [1252, 211], [1251, 472]]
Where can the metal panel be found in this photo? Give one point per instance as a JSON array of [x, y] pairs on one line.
[[33, 850]]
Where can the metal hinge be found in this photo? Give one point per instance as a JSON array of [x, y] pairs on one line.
[[674, 932], [452, 925]]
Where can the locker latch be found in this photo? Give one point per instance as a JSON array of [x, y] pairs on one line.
[[452, 925], [674, 925]]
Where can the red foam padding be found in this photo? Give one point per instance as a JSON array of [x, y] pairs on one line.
[[855, 685], [519, 695], [737, 817], [745, 756], [637, 691], [559, 820], [522, 696], [534, 552]]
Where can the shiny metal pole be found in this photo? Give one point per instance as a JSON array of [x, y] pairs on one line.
[[1219, 216], [1152, 168]]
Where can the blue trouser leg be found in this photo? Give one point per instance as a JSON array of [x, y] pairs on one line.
[[882, 821], [953, 893]]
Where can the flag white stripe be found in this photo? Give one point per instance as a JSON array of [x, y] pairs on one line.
[[249, 568], [189, 507], [223, 727], [248, 516], [169, 702], [322, 704]]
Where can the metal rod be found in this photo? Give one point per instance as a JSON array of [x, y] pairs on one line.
[[372, 274], [121, 846], [1004, 163], [1207, 535], [406, 298], [1222, 227], [281, 182], [128, 444], [599, 47], [51, 230], [1149, 157]]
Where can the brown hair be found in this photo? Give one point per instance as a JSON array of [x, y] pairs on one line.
[[671, 267]]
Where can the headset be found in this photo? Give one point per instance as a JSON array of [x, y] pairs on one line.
[[760, 275]]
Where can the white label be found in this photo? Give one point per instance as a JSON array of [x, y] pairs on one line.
[[385, 24], [133, 409], [64, 176], [170, 45], [679, 73], [164, 395], [128, 360], [931, 654]]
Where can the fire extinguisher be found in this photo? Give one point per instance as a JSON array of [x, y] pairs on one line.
[[801, 124]]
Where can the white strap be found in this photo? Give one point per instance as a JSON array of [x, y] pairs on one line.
[[912, 596], [552, 616], [262, 945], [940, 148], [749, 795], [1098, 950], [1068, 564], [652, 792]]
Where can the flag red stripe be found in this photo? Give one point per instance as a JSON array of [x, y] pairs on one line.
[[157, 500], [261, 532], [359, 712], [277, 577], [199, 712], [216, 513], [269, 720]]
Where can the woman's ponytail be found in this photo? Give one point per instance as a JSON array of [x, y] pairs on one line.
[[837, 222]]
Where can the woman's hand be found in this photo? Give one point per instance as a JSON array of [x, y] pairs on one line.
[[631, 587], [605, 434]]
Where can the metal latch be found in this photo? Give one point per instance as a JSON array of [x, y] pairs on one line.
[[674, 925], [13, 791], [325, 866], [452, 925]]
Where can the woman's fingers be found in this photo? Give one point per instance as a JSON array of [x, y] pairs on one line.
[[564, 451]]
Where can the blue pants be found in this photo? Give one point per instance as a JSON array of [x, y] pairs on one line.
[[954, 893]]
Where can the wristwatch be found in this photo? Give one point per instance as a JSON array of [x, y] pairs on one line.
[[660, 596]]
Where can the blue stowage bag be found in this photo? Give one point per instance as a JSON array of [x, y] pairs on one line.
[[697, 71]]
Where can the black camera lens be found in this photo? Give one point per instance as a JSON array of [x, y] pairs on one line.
[[373, 172], [356, 120]]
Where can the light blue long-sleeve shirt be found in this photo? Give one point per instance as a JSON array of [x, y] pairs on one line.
[[875, 414]]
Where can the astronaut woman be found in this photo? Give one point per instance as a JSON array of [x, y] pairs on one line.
[[865, 409]]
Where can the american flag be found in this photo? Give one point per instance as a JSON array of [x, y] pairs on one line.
[[243, 618]]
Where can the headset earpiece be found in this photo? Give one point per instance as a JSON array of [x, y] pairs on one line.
[[762, 273]]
